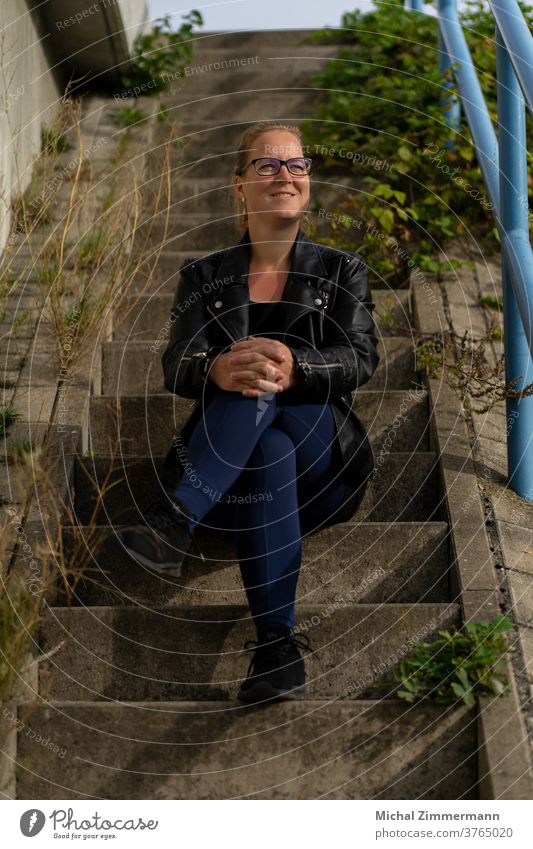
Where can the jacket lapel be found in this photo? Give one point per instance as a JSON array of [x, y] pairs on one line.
[[300, 292]]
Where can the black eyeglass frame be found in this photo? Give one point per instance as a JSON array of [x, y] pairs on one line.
[[281, 162]]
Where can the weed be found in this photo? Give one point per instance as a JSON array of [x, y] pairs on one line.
[[92, 250], [23, 450], [161, 53], [8, 416], [461, 665], [430, 357], [461, 361], [162, 115], [493, 302], [107, 201], [128, 116], [53, 141]]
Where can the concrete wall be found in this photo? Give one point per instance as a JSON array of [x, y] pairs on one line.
[[38, 54], [135, 17], [94, 37], [28, 95]]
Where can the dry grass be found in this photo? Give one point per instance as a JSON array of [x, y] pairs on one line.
[[98, 237], [82, 241]]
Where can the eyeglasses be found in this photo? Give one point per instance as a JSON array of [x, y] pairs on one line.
[[298, 166]]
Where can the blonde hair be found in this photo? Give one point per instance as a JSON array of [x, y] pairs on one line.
[[246, 144]]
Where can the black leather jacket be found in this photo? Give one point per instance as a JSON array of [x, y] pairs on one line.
[[327, 310]]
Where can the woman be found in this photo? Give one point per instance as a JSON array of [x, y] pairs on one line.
[[270, 336]]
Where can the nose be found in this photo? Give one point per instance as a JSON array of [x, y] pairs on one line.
[[287, 172]]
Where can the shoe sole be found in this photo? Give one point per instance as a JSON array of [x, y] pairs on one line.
[[263, 692], [167, 570]]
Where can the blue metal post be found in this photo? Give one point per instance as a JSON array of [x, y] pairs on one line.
[[517, 37], [472, 100], [452, 115], [514, 218]]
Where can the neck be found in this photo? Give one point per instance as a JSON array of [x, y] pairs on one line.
[[270, 248]]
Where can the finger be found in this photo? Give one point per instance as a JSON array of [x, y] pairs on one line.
[[242, 343], [251, 374], [255, 356], [267, 385], [260, 345], [259, 384], [257, 393], [270, 351]]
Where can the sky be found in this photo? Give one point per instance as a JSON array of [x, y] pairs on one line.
[[260, 14]]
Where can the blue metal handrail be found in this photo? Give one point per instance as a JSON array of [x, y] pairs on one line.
[[503, 164]]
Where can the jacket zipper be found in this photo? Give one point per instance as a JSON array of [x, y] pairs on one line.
[[198, 354]]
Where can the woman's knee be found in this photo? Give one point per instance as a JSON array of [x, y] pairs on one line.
[[308, 424], [272, 446]]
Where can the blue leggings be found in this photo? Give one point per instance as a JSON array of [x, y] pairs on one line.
[[260, 467]]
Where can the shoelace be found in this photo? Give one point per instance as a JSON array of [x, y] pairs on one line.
[[267, 652], [162, 516]]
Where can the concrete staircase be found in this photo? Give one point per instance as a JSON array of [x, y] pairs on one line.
[[142, 696]]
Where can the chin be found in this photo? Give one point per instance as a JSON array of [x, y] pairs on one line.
[[287, 215]]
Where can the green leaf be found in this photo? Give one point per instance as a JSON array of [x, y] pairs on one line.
[[404, 694], [497, 686], [463, 677], [404, 153], [400, 196]]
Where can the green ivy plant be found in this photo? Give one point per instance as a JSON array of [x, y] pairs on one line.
[[382, 121], [159, 53], [458, 666]]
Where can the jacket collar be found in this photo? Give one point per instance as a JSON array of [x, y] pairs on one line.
[[299, 295], [306, 261]]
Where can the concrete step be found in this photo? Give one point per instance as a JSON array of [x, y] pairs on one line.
[[140, 317], [217, 143], [206, 153], [289, 102], [174, 653], [215, 72], [404, 489], [149, 423], [134, 368], [194, 193], [253, 40], [205, 231], [371, 563], [158, 272], [291, 750]]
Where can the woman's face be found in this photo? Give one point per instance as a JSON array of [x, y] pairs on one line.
[[279, 196]]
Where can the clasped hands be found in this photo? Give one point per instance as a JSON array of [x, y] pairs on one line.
[[255, 366]]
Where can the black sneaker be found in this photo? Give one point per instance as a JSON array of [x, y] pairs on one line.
[[278, 667], [162, 540]]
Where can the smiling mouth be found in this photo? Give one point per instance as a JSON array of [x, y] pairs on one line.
[[284, 194]]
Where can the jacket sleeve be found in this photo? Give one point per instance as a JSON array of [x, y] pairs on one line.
[[188, 355], [349, 355]]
